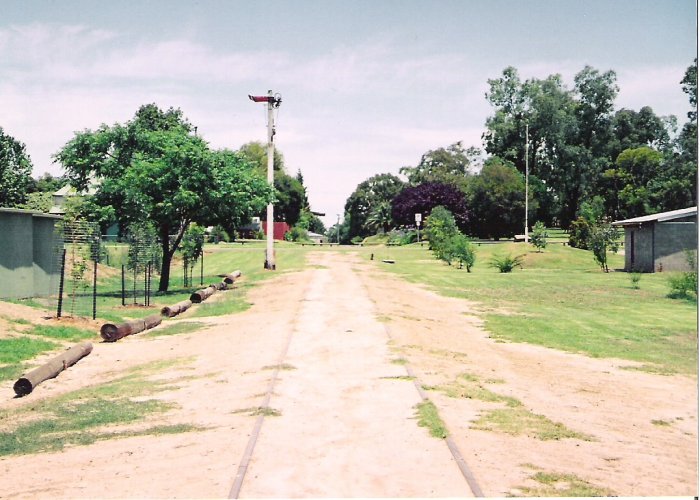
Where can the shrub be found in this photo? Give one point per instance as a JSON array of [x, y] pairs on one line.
[[685, 285], [440, 226], [603, 237], [462, 250], [579, 234], [506, 264], [401, 237], [297, 234], [635, 277], [539, 236]]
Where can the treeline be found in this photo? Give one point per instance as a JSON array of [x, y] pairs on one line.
[[582, 156], [155, 171]]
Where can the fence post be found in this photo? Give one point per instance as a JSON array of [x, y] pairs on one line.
[[94, 288], [201, 269], [60, 284], [123, 285]]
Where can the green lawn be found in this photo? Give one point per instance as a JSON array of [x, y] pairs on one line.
[[218, 259], [561, 299]]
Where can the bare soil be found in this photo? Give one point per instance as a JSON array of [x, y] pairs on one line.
[[344, 422]]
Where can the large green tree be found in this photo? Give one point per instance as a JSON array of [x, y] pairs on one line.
[[497, 200], [15, 171], [369, 195], [153, 168], [290, 193], [448, 165]]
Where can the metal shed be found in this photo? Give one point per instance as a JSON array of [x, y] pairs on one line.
[[659, 242]]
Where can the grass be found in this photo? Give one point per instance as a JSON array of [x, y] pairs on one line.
[[265, 411], [515, 419], [176, 328], [283, 366], [554, 484], [561, 299], [218, 259], [91, 414], [14, 350], [61, 332], [428, 417], [518, 421]]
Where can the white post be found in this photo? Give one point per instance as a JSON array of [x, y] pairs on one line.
[[527, 177], [270, 253]]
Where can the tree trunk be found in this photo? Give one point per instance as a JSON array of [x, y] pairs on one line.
[[167, 257]]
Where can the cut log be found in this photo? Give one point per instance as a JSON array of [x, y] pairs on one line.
[[29, 381], [230, 278], [111, 332], [179, 308], [220, 286], [389, 261], [203, 294]]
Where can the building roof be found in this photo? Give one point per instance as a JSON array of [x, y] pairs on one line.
[[660, 217]]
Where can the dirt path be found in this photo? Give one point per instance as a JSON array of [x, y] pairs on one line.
[[642, 427], [345, 423]]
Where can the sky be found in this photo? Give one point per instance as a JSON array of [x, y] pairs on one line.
[[367, 86]]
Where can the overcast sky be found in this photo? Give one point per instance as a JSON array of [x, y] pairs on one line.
[[367, 86]]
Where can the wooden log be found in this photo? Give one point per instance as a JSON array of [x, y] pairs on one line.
[[220, 286], [29, 381], [388, 261], [230, 278], [111, 332], [174, 310], [202, 295]]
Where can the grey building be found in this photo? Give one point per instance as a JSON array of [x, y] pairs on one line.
[[659, 242], [27, 260]]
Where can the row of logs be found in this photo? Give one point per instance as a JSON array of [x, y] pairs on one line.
[[111, 333]]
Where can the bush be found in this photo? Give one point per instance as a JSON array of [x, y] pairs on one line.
[[580, 234], [401, 237], [297, 234], [462, 250], [539, 236], [603, 237], [635, 278], [440, 227], [685, 285], [506, 264]]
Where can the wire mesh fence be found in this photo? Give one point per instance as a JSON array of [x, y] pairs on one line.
[[88, 272]]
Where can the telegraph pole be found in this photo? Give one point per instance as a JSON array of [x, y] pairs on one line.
[[527, 177], [272, 103]]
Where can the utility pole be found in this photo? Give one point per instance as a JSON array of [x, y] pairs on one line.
[[272, 103], [527, 177]]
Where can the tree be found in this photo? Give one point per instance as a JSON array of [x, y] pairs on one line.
[[311, 222], [448, 165], [290, 199], [603, 237], [538, 238], [153, 168], [368, 195], [440, 228], [424, 198], [290, 194], [380, 217], [497, 198], [15, 171]]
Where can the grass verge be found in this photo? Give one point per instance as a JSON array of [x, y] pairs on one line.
[[561, 299], [91, 414]]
